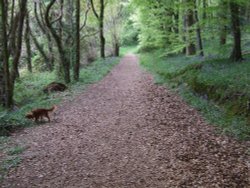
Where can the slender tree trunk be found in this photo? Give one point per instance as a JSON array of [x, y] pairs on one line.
[[64, 61], [49, 59], [101, 26], [27, 42], [77, 41], [236, 54], [223, 35], [22, 13], [184, 38], [117, 49], [41, 51], [51, 63], [198, 31], [222, 14], [7, 89], [204, 9], [189, 22], [176, 24], [2, 88], [12, 35]]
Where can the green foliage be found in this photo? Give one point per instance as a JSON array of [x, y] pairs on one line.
[[7, 164], [129, 34], [162, 24], [128, 49], [9, 157], [38, 63], [217, 88], [15, 150]]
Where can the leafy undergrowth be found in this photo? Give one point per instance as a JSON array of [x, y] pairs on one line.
[[29, 94], [218, 88]]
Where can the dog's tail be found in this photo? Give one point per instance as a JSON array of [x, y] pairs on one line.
[[53, 108]]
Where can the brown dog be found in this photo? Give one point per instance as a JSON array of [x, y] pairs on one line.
[[40, 113]]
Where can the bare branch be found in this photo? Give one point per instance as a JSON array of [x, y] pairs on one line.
[[93, 8], [85, 17]]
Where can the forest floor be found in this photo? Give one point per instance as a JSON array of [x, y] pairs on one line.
[[125, 131]]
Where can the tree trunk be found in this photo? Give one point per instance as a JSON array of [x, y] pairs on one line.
[[22, 13], [189, 22], [198, 31], [101, 26], [204, 9], [222, 14], [117, 49], [49, 59], [176, 22], [51, 63], [27, 42], [223, 35], [2, 85], [41, 51], [7, 89], [64, 61], [77, 42], [236, 54]]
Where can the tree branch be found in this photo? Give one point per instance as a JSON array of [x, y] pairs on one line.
[[93, 8], [85, 17]]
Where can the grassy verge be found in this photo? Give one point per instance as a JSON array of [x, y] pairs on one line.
[[9, 156], [219, 89], [29, 94]]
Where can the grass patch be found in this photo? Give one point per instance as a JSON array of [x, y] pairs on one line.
[[15, 150], [128, 49], [29, 94], [218, 88], [7, 164], [9, 156]]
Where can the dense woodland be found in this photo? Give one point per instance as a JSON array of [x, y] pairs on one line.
[[54, 35], [56, 38]]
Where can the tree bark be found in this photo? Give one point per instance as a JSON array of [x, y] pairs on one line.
[[189, 22], [77, 41], [236, 54], [101, 22], [41, 51], [27, 42], [49, 58], [223, 35], [204, 9], [176, 22], [117, 49], [198, 31], [7, 89], [22, 13], [101, 26], [62, 54], [222, 14]]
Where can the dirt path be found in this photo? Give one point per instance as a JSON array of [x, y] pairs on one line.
[[127, 132]]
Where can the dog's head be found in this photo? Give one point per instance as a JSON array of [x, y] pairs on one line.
[[29, 116]]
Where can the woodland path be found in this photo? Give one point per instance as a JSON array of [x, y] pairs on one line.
[[126, 132]]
